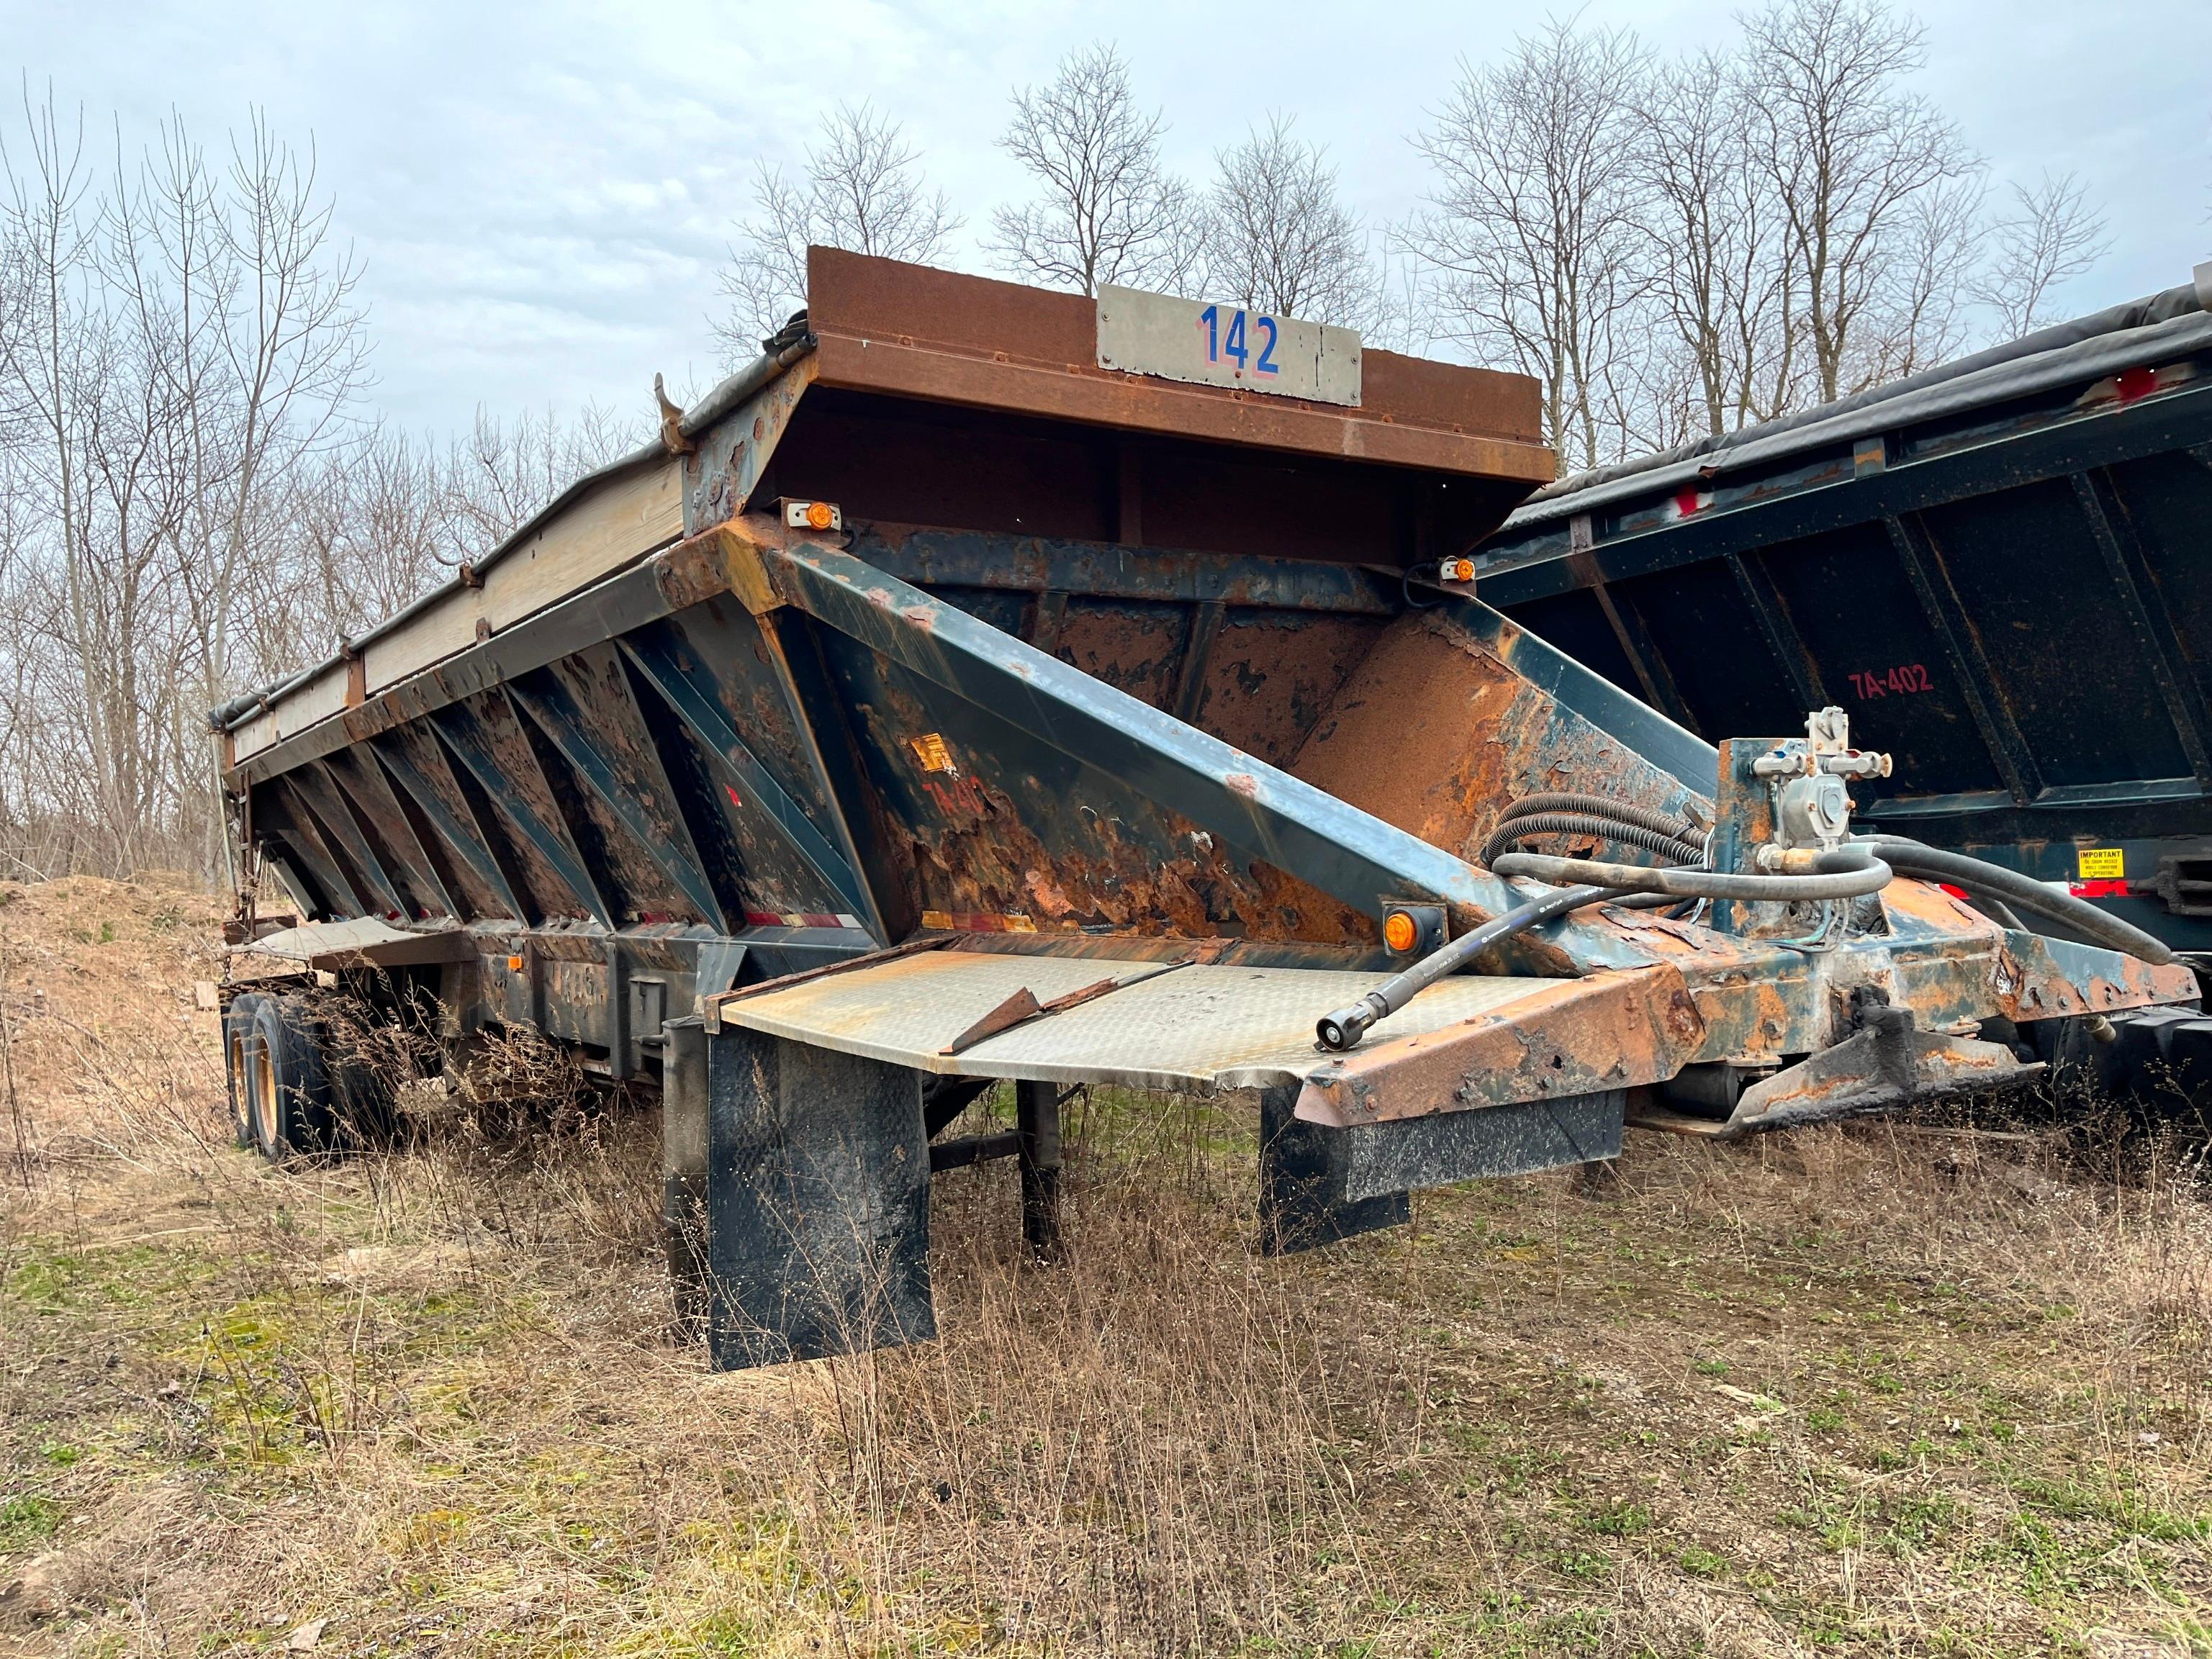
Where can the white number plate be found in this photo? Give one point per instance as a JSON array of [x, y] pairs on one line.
[[1213, 345]]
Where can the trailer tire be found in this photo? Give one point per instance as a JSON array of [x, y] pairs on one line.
[[288, 1092], [238, 1020]]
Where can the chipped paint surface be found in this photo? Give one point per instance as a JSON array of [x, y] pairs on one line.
[[1434, 733], [1614, 1030]]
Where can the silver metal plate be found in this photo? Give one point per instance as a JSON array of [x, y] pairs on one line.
[[1196, 1028], [1209, 342]]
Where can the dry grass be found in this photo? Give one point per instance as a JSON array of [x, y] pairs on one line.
[[1874, 1389]]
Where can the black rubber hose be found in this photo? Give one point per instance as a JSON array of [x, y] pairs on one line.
[[1599, 806], [1991, 906], [1343, 1029], [1507, 837], [1849, 871], [1935, 863]]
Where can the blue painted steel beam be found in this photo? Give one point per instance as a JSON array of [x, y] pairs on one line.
[[552, 842], [664, 838], [468, 842], [1260, 811], [698, 711]]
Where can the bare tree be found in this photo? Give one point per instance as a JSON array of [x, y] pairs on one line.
[[1918, 315], [502, 473], [863, 189], [1534, 222], [2051, 237], [1850, 152], [235, 272], [1277, 237], [1108, 212], [183, 343], [1721, 274]]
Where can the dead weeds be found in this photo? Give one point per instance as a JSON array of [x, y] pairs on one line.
[[1874, 1389]]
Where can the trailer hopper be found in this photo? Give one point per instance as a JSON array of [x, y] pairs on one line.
[[995, 684]]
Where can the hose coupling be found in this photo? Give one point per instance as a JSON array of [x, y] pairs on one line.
[[1343, 1029]]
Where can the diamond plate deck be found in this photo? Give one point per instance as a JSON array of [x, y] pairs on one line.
[[1196, 1028]]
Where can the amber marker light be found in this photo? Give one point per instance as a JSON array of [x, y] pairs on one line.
[[514, 964], [818, 515], [1399, 931]]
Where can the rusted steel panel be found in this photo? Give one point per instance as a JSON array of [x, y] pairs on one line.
[[477, 869], [979, 324], [1008, 692], [1560, 1039], [278, 808], [720, 648], [1033, 564], [724, 472], [1005, 828], [1272, 674], [1434, 733], [1131, 645], [318, 799], [1875, 1069], [498, 774], [760, 843], [2036, 977], [617, 795]]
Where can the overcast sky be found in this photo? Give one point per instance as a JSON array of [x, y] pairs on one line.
[[539, 196]]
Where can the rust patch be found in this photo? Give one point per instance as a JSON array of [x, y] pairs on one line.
[[2027, 984], [1615, 1030], [1133, 646], [1272, 674], [982, 857], [1433, 733]]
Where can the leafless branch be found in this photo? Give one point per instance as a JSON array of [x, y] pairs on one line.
[[862, 189], [1108, 212]]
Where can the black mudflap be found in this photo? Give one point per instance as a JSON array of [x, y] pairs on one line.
[[817, 1202], [1318, 1184]]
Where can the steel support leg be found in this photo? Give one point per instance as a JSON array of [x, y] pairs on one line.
[[818, 1203], [683, 1163], [1036, 1123]]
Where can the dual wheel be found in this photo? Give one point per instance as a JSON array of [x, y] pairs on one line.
[[286, 1095]]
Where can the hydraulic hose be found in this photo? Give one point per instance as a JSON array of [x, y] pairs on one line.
[[1991, 906], [1343, 1029], [1599, 806], [1849, 871], [1666, 843], [2024, 892]]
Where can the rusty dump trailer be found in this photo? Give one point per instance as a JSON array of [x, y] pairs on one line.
[[995, 684]]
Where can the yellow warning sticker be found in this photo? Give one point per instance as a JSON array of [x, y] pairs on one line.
[[930, 749], [2103, 864]]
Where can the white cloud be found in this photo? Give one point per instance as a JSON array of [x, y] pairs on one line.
[[541, 194]]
